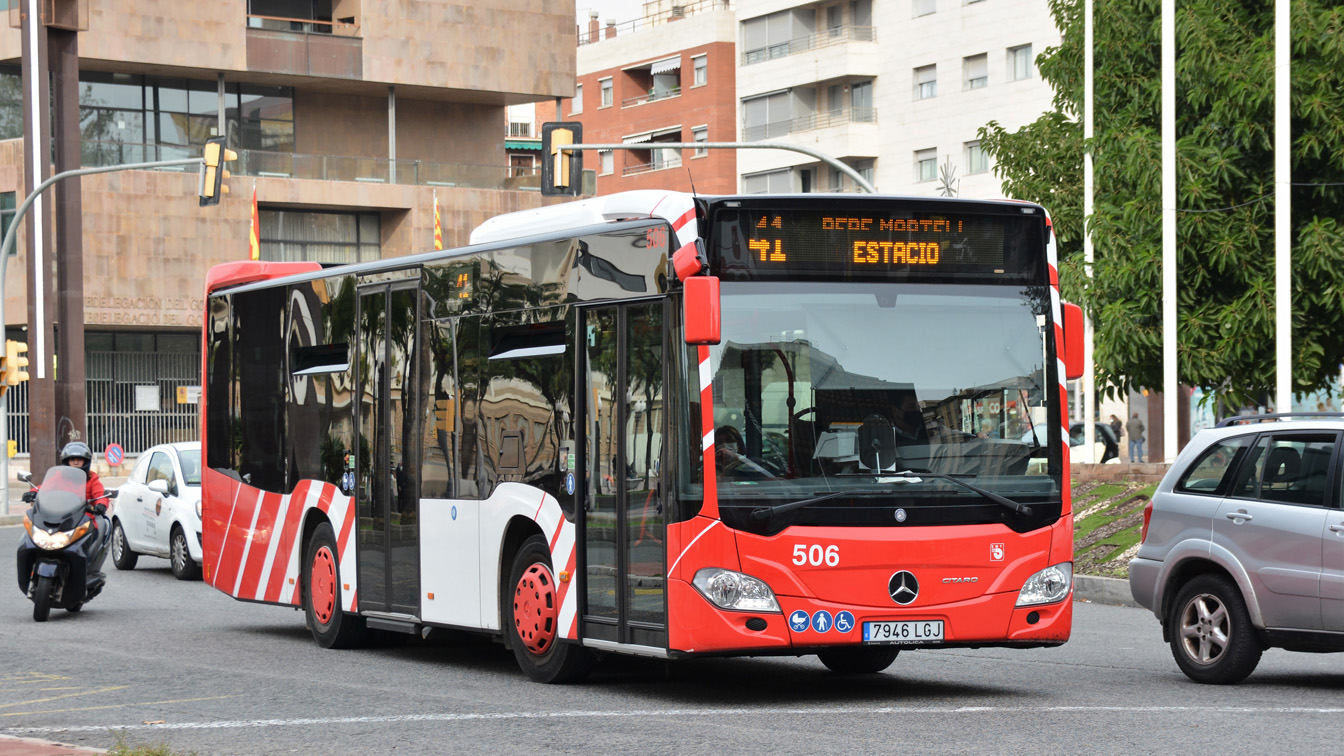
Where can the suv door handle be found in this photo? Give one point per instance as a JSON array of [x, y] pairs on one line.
[[1239, 517], [1337, 528]]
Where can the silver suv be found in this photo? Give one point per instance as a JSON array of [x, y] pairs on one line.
[[1243, 545]]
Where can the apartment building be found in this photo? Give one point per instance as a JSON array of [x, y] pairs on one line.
[[666, 76], [897, 89], [349, 118]]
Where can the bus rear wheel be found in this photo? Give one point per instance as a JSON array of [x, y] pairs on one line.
[[331, 627], [858, 660], [532, 616]]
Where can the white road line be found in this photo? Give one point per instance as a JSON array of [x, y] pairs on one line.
[[674, 713]]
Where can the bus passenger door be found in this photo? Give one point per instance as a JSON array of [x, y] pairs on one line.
[[387, 461], [624, 522]]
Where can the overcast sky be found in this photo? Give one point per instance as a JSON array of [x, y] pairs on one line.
[[618, 10]]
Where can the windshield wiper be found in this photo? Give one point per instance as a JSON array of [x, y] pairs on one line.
[[1002, 501], [761, 513]]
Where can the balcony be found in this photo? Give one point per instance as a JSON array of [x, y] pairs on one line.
[[651, 97], [287, 165], [840, 35], [656, 165], [305, 47], [823, 120]]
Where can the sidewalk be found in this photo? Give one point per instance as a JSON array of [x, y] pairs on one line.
[[10, 746]]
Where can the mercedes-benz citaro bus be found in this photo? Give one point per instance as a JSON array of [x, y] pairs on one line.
[[658, 424]]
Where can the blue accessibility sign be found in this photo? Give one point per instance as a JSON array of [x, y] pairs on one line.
[[799, 621], [569, 483], [844, 622], [821, 621]]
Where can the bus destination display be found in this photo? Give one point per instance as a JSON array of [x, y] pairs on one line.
[[789, 241]]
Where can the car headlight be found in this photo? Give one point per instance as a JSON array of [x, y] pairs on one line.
[[1047, 586], [198, 509], [733, 590], [59, 539]]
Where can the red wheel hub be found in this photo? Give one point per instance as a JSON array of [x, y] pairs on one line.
[[322, 585], [535, 610]]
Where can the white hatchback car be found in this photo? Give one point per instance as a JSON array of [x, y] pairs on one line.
[[158, 511]]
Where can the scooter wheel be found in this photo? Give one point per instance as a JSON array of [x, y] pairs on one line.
[[42, 599]]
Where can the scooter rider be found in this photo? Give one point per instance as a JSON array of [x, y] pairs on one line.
[[78, 454]]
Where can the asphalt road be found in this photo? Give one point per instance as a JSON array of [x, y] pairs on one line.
[[162, 661]]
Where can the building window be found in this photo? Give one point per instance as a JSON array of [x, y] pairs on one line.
[[770, 182], [576, 104], [926, 165], [606, 93], [926, 82], [8, 207], [608, 159], [766, 116], [1019, 63], [700, 64], [700, 134], [299, 236], [924, 7], [861, 102], [976, 71], [520, 130], [977, 161]]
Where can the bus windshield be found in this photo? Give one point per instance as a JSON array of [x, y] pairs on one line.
[[829, 387]]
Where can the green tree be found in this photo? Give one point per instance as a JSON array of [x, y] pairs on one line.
[[1225, 202]]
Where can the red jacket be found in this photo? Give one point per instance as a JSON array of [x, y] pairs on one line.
[[94, 491]]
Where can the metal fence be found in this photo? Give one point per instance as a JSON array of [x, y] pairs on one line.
[[132, 400]]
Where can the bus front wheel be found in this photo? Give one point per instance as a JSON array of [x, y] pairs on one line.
[[532, 615], [331, 627]]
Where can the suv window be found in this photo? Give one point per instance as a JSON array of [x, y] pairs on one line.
[[1212, 471], [1288, 468]]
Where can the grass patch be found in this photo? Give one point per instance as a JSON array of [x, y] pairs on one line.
[[122, 748], [1108, 520]]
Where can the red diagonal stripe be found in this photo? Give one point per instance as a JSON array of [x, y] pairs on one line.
[[280, 562], [261, 539]]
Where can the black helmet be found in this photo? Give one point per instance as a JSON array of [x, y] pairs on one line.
[[76, 449]]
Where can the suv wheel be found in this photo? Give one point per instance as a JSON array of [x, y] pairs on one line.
[[1211, 633]]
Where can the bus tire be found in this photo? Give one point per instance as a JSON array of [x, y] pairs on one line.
[[858, 660], [532, 615], [322, 602]]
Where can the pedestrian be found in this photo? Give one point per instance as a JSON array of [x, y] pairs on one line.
[[1117, 427], [1135, 430]]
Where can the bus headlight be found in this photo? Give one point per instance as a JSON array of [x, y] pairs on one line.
[[733, 590], [1047, 586]]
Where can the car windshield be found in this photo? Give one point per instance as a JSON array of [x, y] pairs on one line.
[[191, 465], [820, 387]]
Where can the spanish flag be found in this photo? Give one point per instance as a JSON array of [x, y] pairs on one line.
[[254, 236], [438, 230]]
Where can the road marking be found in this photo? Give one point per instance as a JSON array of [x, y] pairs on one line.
[[108, 706], [67, 695], [674, 713]]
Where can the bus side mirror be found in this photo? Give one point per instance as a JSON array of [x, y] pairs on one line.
[[1073, 341], [701, 309]]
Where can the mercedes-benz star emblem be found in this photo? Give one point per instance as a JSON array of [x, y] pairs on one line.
[[903, 587]]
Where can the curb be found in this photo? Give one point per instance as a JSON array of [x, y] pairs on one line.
[[10, 519], [1103, 590], [14, 746]]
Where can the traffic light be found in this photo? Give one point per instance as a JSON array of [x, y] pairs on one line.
[[561, 171], [15, 367], [213, 172]]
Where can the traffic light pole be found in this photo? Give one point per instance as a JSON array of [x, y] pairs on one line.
[[823, 157], [8, 244]]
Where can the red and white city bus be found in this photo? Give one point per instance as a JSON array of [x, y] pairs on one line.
[[659, 424]]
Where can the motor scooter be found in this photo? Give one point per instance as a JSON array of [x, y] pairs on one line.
[[61, 555]]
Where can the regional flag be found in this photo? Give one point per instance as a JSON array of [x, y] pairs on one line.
[[438, 230], [254, 236]]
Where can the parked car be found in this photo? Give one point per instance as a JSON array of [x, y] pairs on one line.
[[159, 510], [1241, 546], [1106, 448]]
